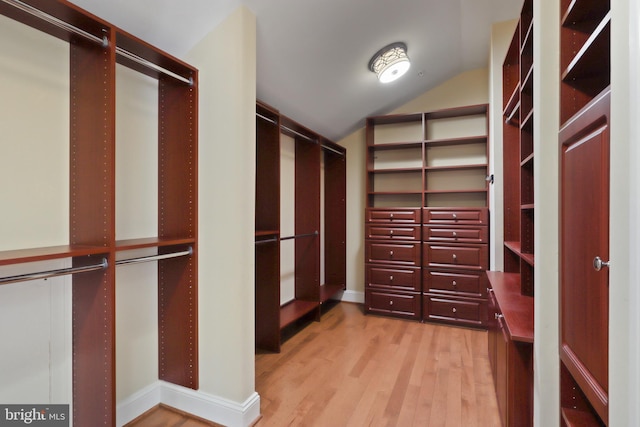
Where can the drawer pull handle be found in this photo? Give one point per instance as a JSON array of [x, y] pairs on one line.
[[391, 254], [391, 278], [391, 232], [455, 234], [455, 283], [391, 216], [390, 302], [454, 309], [489, 290], [455, 216], [498, 316], [455, 257]]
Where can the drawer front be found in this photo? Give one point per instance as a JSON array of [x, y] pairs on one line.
[[388, 303], [478, 216], [467, 312], [393, 253], [469, 234], [402, 216], [470, 257], [467, 284], [393, 232], [405, 279]]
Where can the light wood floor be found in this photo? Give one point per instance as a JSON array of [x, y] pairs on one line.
[[164, 416], [356, 370]]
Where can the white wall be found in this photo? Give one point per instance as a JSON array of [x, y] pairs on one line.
[[35, 317], [546, 83], [624, 274], [501, 34], [227, 206]]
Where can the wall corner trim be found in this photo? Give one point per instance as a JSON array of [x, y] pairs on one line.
[[200, 404]]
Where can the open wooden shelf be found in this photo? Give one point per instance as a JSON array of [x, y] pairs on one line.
[[21, 256], [295, 310], [151, 242], [516, 308]]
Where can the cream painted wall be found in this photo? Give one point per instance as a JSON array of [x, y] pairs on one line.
[[227, 206], [35, 316], [136, 217], [471, 87], [624, 228], [501, 34], [546, 83]]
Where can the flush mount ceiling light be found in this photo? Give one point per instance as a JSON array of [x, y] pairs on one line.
[[390, 62]]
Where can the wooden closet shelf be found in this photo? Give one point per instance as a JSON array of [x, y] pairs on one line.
[[516, 308], [294, 310], [49, 253]]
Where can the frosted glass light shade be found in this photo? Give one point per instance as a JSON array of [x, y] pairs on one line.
[[390, 62]]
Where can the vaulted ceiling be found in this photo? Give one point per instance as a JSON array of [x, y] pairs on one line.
[[313, 55]]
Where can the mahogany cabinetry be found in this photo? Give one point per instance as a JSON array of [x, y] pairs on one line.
[[426, 241], [585, 63], [511, 293], [455, 257], [319, 224], [95, 48]]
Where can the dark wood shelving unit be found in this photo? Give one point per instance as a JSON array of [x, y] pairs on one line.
[[312, 152], [585, 64], [93, 58], [511, 302], [426, 206]]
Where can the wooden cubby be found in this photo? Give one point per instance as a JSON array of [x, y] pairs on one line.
[[95, 48], [427, 198], [511, 302], [585, 117], [319, 220]]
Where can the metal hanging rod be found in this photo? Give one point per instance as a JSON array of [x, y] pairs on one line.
[[262, 242], [53, 273], [297, 236], [125, 53], [266, 118], [301, 135], [155, 257], [104, 41], [333, 150]]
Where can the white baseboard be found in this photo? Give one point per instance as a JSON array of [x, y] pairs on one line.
[[203, 405], [352, 296], [138, 403]]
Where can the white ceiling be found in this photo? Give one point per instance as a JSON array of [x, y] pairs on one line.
[[313, 55]]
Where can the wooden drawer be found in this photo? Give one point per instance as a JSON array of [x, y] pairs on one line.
[[395, 304], [464, 312], [456, 216], [393, 253], [466, 284], [404, 279], [402, 216], [467, 257], [461, 234], [393, 232]]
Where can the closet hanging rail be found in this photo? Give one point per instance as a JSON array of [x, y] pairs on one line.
[[266, 118], [301, 135], [104, 41], [333, 150], [298, 236], [125, 53], [262, 242], [53, 273], [154, 257]]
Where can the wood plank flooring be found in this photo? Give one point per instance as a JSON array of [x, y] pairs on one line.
[[356, 370], [164, 416]]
